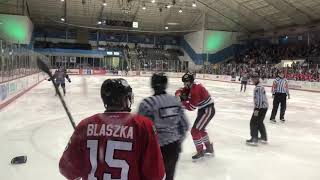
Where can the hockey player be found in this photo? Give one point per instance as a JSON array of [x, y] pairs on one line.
[[170, 121], [244, 81], [193, 95], [116, 144], [260, 109], [59, 77]]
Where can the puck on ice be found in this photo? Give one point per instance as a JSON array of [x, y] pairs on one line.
[[19, 160]]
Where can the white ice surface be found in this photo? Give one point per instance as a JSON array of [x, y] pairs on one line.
[[37, 126]]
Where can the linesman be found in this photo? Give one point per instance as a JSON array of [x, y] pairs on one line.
[[260, 109], [169, 119], [280, 92]]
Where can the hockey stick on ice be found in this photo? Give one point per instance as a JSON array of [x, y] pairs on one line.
[[44, 67]]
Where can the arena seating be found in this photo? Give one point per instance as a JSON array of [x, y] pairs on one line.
[[265, 60]]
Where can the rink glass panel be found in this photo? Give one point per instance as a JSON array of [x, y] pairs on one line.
[[17, 60]]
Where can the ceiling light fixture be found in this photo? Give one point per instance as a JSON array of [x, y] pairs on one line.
[[99, 22], [62, 0], [180, 11], [153, 1], [62, 19], [166, 27], [104, 4], [144, 7], [194, 4], [168, 6]]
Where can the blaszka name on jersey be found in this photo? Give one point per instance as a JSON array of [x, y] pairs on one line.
[[110, 130]]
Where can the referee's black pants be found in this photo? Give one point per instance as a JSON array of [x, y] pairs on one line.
[[170, 154], [257, 125], [279, 98]]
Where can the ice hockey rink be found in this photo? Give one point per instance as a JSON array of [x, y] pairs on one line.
[[37, 126]]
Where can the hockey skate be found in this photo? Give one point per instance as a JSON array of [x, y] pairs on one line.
[[252, 142], [262, 141], [282, 120], [273, 121], [198, 156], [209, 151]]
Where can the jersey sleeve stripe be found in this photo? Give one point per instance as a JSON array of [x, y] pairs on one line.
[[147, 102]]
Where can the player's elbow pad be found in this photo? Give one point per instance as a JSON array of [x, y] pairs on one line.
[[67, 169]]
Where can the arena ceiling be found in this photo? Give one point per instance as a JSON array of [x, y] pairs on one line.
[[230, 15]]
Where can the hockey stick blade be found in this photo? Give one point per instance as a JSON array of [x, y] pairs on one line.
[[44, 67]]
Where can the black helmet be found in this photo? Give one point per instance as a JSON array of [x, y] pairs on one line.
[[188, 77], [113, 91], [159, 81]]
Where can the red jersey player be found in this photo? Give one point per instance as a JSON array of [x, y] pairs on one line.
[[193, 95], [115, 145]]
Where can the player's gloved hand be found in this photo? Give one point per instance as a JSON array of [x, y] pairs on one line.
[[177, 93], [184, 97], [256, 113], [178, 98], [69, 80], [49, 79]]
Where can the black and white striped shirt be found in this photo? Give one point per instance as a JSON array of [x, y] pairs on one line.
[[259, 97], [280, 85], [168, 116], [245, 77]]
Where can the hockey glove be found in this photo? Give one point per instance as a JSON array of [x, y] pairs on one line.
[[256, 113], [184, 96]]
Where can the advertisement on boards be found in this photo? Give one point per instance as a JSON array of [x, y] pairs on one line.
[[99, 72], [3, 91], [73, 71], [85, 71]]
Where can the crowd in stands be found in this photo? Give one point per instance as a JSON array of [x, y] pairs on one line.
[[265, 61], [275, 53], [153, 58]]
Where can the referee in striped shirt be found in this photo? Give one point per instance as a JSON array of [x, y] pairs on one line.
[[260, 110], [280, 92], [169, 119]]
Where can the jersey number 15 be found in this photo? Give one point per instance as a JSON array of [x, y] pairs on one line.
[[93, 146]]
